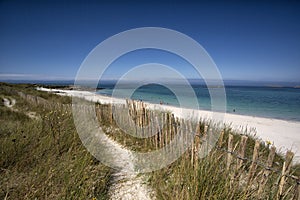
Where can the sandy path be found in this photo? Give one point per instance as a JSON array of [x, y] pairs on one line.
[[125, 184]]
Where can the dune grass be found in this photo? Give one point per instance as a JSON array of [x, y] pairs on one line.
[[44, 158]]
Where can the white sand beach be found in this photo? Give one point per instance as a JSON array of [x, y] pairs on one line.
[[285, 135]]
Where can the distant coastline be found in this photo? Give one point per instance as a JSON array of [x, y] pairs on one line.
[[194, 82]]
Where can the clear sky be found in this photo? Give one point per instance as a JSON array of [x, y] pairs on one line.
[[255, 40]]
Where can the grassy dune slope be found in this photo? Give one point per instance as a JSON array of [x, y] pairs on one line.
[[43, 157]]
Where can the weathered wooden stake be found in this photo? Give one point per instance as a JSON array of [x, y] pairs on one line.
[[241, 152], [254, 162], [266, 172], [285, 170], [190, 131], [197, 144], [220, 142], [230, 149]]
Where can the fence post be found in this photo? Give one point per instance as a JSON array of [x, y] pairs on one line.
[[174, 134], [230, 148], [156, 124], [285, 170], [183, 134], [169, 128], [190, 131], [197, 143], [111, 114], [204, 141], [241, 152], [254, 160], [150, 126], [239, 159], [167, 118], [161, 130], [98, 112], [220, 142], [266, 171]]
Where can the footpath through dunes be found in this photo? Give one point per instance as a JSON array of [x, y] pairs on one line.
[[126, 183], [123, 181]]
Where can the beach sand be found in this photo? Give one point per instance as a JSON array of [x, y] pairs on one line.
[[285, 135]]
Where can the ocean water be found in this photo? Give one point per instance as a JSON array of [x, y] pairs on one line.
[[270, 102]]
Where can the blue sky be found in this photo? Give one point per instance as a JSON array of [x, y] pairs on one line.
[[255, 40]]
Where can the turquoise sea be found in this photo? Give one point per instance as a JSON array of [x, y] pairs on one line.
[[261, 101], [270, 102]]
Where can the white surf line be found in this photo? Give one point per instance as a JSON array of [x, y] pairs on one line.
[[126, 184]]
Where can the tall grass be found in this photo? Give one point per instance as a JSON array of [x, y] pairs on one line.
[[43, 158]]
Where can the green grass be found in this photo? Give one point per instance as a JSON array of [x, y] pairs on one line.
[[44, 158]]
